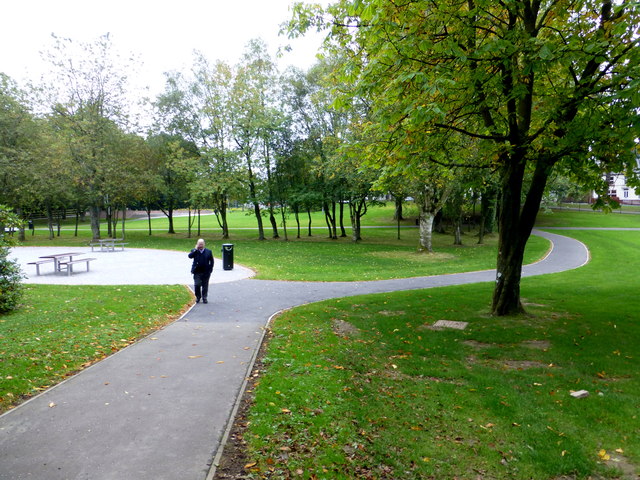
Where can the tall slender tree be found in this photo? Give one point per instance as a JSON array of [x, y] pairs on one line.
[[87, 100]]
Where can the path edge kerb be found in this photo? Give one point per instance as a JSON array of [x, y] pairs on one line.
[[236, 405], [86, 369]]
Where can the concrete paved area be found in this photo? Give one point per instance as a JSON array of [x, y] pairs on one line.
[[158, 409], [133, 266]]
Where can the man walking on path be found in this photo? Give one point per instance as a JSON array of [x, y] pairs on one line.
[[201, 269]]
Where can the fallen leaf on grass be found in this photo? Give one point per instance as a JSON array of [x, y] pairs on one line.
[[604, 455], [619, 450], [249, 465]]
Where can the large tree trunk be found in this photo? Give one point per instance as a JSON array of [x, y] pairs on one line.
[[148, 208], [357, 210], [330, 217], [283, 214], [21, 235], [170, 217], [94, 216], [397, 215], [457, 231], [109, 218], [50, 222], [254, 200], [487, 213], [296, 211], [515, 224], [343, 232], [429, 201], [223, 216], [334, 220], [75, 233], [274, 222], [256, 210], [426, 230]]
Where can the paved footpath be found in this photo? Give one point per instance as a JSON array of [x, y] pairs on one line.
[[159, 408]]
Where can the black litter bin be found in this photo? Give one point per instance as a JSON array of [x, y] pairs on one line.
[[227, 256], [30, 224]]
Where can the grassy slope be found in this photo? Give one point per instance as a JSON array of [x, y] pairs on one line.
[[362, 386]]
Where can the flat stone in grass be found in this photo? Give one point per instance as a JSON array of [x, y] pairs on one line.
[[450, 324]]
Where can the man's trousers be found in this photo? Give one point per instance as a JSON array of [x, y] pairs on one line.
[[201, 284]]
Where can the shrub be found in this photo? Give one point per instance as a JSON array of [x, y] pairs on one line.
[[10, 274], [10, 281]]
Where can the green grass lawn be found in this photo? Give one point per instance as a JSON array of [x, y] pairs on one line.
[[364, 388], [379, 256], [61, 329], [587, 218]]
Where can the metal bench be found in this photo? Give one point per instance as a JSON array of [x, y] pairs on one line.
[[69, 265], [37, 263], [107, 245]]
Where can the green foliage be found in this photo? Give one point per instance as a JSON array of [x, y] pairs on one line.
[[516, 87], [11, 288]]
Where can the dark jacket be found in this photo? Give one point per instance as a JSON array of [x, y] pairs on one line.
[[202, 262]]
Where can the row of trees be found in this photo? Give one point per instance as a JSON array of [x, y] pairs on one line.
[[245, 134], [445, 103]]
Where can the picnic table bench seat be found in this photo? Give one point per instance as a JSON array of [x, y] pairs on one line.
[[37, 263], [69, 264]]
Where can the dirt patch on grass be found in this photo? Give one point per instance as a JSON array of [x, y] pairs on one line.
[[344, 329], [618, 462], [622, 463], [536, 344], [396, 375], [417, 257], [506, 364], [389, 313], [520, 364], [477, 345]]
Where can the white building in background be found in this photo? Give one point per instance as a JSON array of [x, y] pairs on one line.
[[618, 190]]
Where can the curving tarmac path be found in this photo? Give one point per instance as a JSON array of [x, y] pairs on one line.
[[159, 408]]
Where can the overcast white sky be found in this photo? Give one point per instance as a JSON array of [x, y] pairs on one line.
[[162, 33]]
